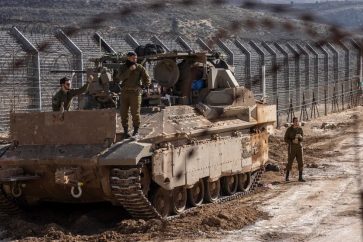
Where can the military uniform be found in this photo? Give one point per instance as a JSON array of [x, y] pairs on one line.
[[295, 147], [66, 97], [131, 83]]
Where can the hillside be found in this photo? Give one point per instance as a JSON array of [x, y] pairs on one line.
[[200, 20], [345, 14]]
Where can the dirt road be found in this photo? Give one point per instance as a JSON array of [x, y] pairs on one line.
[[328, 206], [325, 208]]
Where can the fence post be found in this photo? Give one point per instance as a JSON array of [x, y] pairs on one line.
[[203, 45], [336, 61], [359, 65], [314, 107], [277, 112], [360, 61], [263, 70], [356, 96], [73, 48], [297, 73], [291, 112], [345, 86], [229, 52], [325, 103], [287, 70], [131, 41], [307, 71], [248, 62], [342, 96], [334, 103], [360, 85], [303, 112], [326, 68], [263, 62], [350, 103], [28, 47], [102, 42], [316, 71], [157, 41], [274, 66], [184, 44]]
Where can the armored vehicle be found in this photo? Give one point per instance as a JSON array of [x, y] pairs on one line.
[[203, 137]]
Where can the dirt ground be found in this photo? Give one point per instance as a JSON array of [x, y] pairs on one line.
[[325, 208]]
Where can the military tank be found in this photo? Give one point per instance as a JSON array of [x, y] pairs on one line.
[[203, 138]]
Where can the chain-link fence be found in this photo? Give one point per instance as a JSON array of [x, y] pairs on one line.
[[299, 75]]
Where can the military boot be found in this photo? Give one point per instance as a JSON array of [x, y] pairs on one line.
[[136, 131], [287, 176], [126, 132], [301, 179]]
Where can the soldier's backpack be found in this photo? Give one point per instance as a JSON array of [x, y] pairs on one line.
[[149, 49]]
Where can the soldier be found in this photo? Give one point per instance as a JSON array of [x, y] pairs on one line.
[[133, 77], [63, 98], [294, 137]]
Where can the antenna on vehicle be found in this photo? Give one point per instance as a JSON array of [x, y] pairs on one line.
[[100, 42]]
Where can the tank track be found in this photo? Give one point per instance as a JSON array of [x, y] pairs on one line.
[[7, 206], [126, 188], [256, 179], [223, 199]]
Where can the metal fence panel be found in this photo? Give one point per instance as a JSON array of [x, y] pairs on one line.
[[293, 68]]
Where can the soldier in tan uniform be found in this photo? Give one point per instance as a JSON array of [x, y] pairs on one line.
[[62, 100], [133, 77], [294, 137]]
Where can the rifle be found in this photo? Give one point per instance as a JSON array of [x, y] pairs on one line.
[[68, 71]]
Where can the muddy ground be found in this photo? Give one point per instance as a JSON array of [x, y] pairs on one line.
[[325, 208]]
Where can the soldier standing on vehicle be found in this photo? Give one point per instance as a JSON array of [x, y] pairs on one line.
[[62, 100], [133, 77], [294, 137]]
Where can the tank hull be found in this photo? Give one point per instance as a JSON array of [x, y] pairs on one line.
[[202, 138], [50, 163]]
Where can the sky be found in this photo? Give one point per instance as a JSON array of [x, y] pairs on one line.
[[303, 1]]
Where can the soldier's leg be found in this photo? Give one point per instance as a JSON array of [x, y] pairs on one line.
[[124, 109], [135, 105], [290, 158], [299, 158]]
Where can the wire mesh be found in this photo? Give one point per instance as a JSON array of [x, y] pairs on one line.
[[293, 69]]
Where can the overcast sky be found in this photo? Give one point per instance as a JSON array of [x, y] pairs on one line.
[[295, 1], [304, 1]]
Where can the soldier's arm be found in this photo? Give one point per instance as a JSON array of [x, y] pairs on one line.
[[287, 136], [75, 92], [56, 103], [120, 74], [302, 134], [145, 77]]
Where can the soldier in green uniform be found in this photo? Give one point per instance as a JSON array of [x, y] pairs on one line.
[[62, 100], [294, 137], [133, 77]]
